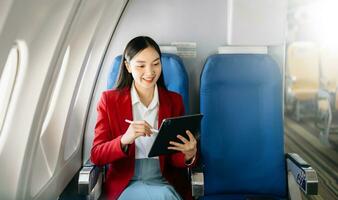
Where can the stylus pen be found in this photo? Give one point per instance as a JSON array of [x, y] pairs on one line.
[[152, 129]]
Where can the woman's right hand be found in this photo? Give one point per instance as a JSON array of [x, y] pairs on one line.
[[135, 130]]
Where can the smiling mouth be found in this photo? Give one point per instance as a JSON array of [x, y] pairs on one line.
[[148, 80]]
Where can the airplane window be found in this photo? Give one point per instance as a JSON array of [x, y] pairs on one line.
[[7, 82], [48, 136], [311, 93], [73, 140]]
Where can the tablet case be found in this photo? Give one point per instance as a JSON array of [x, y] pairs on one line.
[[170, 128]]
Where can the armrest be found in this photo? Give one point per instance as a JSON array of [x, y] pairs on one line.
[[91, 180], [304, 175], [197, 182]]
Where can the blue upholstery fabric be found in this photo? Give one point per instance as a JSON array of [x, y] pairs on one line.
[[242, 142], [113, 72], [174, 74], [240, 197]]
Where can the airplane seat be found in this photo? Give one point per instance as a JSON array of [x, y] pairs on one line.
[[329, 69], [242, 145], [302, 79], [174, 74], [328, 101], [175, 77], [241, 101]]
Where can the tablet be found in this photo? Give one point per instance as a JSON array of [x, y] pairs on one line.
[[170, 128]]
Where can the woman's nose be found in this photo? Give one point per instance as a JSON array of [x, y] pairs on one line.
[[149, 71]]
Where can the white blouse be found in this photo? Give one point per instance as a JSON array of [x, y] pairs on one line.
[[149, 114]]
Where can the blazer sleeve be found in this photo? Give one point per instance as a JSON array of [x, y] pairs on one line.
[[105, 149], [177, 159]]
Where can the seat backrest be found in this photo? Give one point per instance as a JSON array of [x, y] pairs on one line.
[[242, 142], [174, 74], [329, 68], [303, 65]]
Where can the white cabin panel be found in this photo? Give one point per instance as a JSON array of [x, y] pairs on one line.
[[258, 22]]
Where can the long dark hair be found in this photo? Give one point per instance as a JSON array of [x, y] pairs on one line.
[[135, 46]]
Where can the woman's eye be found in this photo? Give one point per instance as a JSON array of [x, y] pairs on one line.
[[156, 64], [140, 66]]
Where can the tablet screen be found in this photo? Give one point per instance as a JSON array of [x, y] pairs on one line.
[[170, 128]]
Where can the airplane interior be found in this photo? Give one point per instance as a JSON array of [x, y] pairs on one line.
[[263, 73]]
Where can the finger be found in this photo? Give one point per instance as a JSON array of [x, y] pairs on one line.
[[143, 128], [182, 139], [140, 125], [190, 135], [144, 124], [138, 134], [149, 133], [147, 124], [176, 144], [175, 148], [145, 132]]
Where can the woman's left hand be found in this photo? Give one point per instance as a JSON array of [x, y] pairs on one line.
[[188, 147]]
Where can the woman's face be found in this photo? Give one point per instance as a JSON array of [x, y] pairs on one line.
[[145, 68]]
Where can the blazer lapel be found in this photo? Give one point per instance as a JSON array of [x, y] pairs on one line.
[[125, 112], [164, 108], [163, 112], [125, 107]]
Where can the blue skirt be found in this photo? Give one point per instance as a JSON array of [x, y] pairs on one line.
[[148, 183]]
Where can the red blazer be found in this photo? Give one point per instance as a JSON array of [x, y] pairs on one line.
[[113, 108]]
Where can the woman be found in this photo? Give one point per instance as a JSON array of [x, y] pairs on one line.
[[142, 98]]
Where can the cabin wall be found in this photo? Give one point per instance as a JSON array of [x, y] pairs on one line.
[[60, 48]]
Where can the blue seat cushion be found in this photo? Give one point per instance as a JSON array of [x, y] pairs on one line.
[[242, 142], [240, 197]]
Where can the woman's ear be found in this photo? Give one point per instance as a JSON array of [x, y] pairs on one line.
[[127, 66]]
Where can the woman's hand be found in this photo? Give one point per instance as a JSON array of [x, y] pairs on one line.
[[135, 130], [188, 147]]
